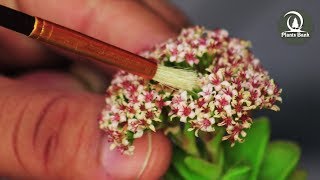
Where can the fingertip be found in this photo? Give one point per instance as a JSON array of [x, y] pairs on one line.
[[151, 159], [160, 158]]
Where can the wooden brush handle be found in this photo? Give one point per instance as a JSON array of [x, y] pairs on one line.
[[76, 42]]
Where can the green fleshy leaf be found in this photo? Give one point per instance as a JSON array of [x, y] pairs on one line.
[[205, 61], [237, 173], [130, 136], [203, 168], [184, 65], [214, 146], [172, 174], [189, 144], [298, 175], [180, 166], [215, 151], [220, 162], [250, 152], [194, 93], [180, 65], [280, 160], [202, 149]]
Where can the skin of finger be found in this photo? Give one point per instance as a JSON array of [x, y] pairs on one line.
[[30, 53], [54, 80], [123, 23], [8, 3], [63, 80], [35, 130], [159, 157], [63, 140], [169, 12]]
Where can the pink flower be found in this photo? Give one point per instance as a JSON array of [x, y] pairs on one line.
[[186, 112], [191, 59], [204, 123]]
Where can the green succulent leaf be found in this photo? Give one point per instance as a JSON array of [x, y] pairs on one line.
[[280, 160], [214, 147], [205, 61], [237, 173], [189, 141], [250, 152], [215, 150], [130, 137], [253, 159], [203, 168], [181, 167], [172, 174]]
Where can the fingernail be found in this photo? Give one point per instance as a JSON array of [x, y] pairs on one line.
[[151, 158], [147, 157], [159, 160], [122, 166]]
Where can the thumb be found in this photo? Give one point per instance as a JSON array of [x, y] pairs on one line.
[[53, 134]]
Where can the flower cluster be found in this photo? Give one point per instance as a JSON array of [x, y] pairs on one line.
[[233, 83]]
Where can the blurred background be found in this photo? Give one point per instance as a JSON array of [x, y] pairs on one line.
[[296, 68]]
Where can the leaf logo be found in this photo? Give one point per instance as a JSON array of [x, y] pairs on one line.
[[296, 25]]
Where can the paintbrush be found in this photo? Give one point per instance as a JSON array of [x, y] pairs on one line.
[[93, 49]]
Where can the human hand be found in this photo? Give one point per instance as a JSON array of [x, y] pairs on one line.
[[47, 120]]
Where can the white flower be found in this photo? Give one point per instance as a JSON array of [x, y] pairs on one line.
[[207, 92]]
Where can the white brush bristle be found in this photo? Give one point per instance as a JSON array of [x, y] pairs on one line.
[[177, 78]]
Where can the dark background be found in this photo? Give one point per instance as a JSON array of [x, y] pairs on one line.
[[296, 68]]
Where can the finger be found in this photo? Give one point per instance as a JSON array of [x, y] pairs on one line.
[[19, 51], [52, 134], [82, 77], [107, 20], [126, 24], [169, 12], [11, 42], [55, 80], [153, 150]]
